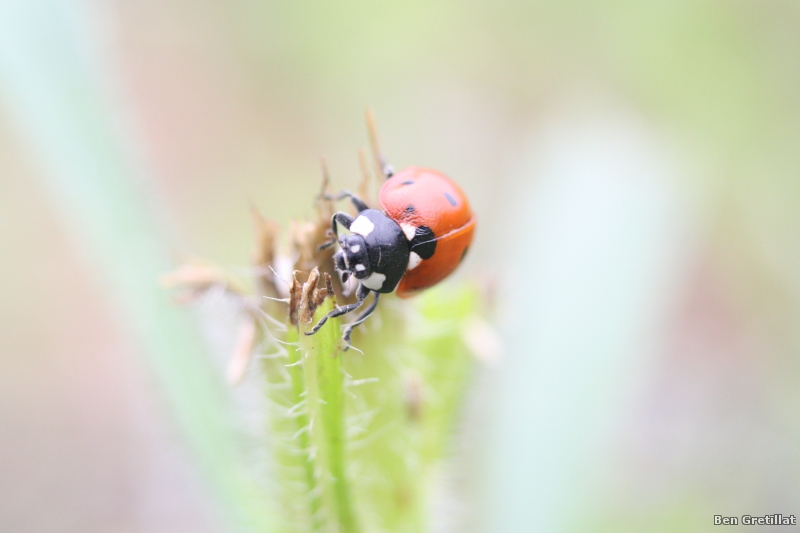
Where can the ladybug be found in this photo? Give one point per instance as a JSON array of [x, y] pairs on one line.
[[419, 237]]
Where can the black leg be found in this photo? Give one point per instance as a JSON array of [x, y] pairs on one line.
[[357, 202], [340, 218], [327, 244], [330, 242], [339, 311], [387, 169], [361, 318]]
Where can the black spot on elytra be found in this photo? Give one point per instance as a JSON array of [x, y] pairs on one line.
[[423, 243], [450, 199], [407, 182], [410, 209], [464, 254]]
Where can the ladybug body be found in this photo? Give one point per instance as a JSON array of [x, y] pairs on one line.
[[435, 216], [376, 251], [419, 238]]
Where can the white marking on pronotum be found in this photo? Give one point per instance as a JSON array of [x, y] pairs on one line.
[[409, 230], [374, 281], [362, 225], [355, 248], [360, 267], [413, 260]]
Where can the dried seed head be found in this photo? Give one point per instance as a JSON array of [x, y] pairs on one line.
[[372, 130], [307, 237], [311, 296], [367, 177], [307, 297], [246, 343], [294, 301], [196, 276], [267, 234]]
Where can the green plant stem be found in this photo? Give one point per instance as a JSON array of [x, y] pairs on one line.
[[48, 81], [302, 428], [324, 382]]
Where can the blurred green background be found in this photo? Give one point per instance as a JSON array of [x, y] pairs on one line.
[[636, 172]]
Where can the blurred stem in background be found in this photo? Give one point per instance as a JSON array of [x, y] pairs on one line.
[[605, 224], [50, 85]]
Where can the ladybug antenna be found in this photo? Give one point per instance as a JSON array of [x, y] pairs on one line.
[[383, 166]]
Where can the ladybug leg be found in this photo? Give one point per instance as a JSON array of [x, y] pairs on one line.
[[357, 202], [359, 319], [386, 168], [339, 218], [327, 244], [339, 311]]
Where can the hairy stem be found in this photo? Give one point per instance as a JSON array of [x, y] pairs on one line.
[[324, 388]]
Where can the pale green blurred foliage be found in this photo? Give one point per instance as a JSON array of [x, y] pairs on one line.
[[634, 167]]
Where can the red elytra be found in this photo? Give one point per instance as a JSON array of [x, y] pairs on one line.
[[437, 202]]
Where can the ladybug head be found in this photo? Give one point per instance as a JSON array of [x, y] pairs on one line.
[[353, 258]]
